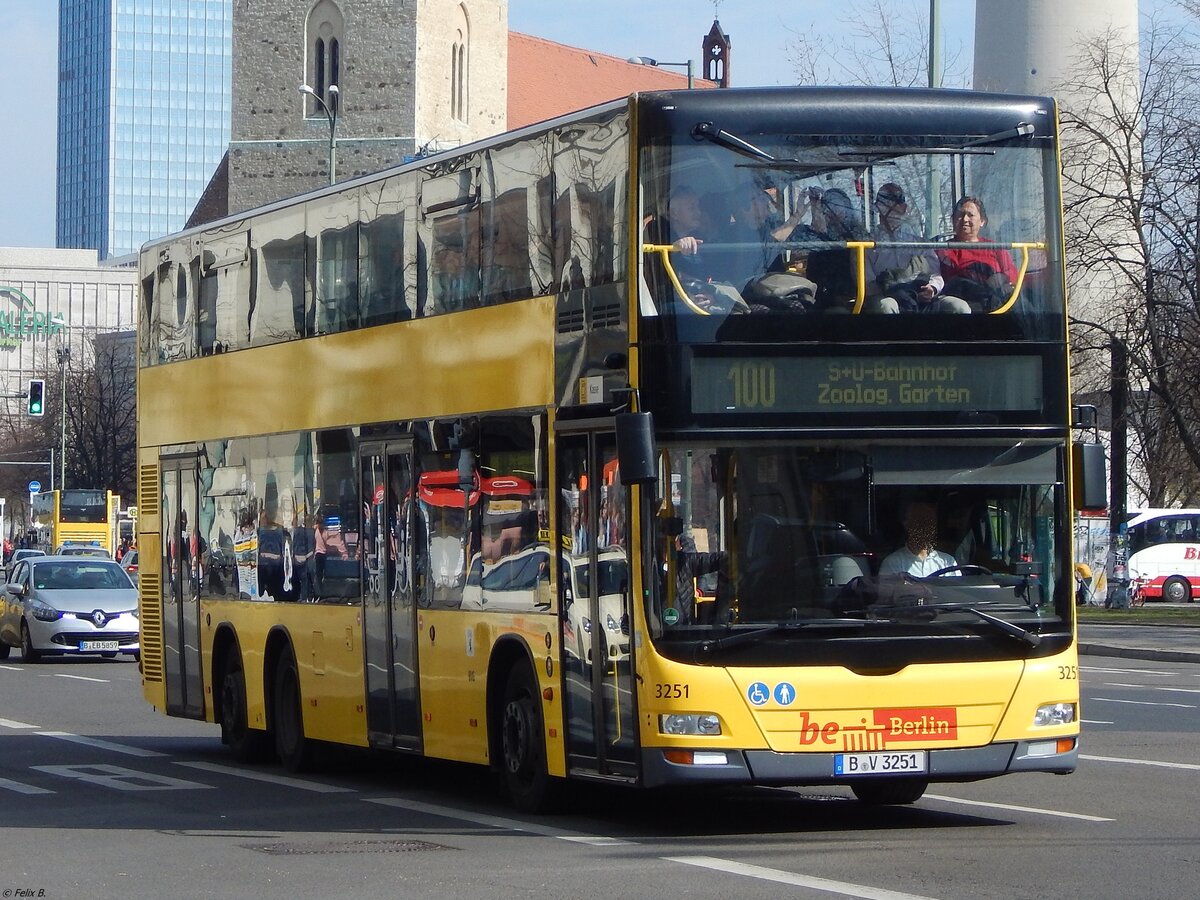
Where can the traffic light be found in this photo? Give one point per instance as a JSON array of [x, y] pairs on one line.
[[37, 397]]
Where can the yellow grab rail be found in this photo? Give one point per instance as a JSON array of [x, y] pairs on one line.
[[664, 251], [1024, 247]]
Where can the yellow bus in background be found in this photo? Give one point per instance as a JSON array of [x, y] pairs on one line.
[[76, 516], [432, 461]]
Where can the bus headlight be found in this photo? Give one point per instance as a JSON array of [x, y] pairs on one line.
[[1054, 714], [695, 723]]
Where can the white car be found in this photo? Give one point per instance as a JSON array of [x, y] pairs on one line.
[[612, 586], [68, 605]]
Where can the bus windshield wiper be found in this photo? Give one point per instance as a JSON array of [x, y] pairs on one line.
[[709, 132], [707, 648], [1011, 629]]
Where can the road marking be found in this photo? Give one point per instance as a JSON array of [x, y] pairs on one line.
[[1058, 813], [1096, 722], [1142, 762], [1146, 687], [300, 783], [22, 788], [121, 779], [12, 668], [446, 812], [845, 888], [1115, 671], [1140, 702], [9, 723], [81, 678], [99, 744]]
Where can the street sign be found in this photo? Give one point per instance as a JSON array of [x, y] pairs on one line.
[[34, 487]]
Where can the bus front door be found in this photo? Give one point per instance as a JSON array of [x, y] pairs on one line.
[[181, 588], [594, 613], [389, 613]]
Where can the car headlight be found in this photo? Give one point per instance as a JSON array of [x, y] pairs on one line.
[[694, 723], [1054, 714], [43, 611], [587, 624], [612, 623]]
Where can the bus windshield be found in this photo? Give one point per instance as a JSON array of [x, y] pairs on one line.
[[83, 506], [773, 224], [832, 541]]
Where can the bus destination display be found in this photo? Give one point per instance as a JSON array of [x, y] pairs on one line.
[[844, 384]]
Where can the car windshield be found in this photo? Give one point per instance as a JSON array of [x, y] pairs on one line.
[[69, 576], [880, 540]]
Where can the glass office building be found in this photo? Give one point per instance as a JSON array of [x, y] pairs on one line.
[[143, 116]]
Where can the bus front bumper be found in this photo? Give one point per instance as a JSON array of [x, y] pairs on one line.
[[769, 767]]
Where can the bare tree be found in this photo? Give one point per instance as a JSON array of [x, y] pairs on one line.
[[1133, 247], [873, 42], [101, 419]]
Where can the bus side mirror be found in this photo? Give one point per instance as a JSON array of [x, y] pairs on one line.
[[635, 448], [1089, 482]]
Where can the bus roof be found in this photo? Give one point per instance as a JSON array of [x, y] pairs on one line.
[[1138, 516]]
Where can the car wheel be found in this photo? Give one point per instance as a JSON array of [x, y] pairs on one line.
[[295, 751], [245, 743], [28, 653], [1177, 589], [889, 791], [523, 745]]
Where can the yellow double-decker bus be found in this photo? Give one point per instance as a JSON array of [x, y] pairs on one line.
[[76, 516], [630, 447]]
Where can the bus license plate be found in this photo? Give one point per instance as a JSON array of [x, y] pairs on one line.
[[99, 645], [907, 762]]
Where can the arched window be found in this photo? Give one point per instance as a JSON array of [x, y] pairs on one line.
[[323, 35], [459, 66]]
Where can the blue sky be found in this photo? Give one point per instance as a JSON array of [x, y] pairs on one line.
[[670, 30]]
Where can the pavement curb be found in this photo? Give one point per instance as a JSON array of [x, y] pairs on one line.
[[1161, 655]]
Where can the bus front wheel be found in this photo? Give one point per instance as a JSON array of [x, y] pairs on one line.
[[295, 751], [889, 791], [523, 743], [1177, 589]]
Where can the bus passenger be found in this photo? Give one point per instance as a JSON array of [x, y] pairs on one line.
[[982, 277], [833, 270], [903, 279], [918, 557]]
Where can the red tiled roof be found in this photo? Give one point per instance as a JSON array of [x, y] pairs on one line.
[[546, 79]]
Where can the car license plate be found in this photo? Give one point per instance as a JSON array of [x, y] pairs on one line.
[[99, 645], [907, 762]]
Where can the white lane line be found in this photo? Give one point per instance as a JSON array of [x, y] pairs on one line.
[[1058, 813], [12, 668], [497, 821], [1142, 762], [1139, 702], [845, 888], [99, 744], [20, 788], [1096, 722], [9, 723], [1147, 687], [1151, 672], [81, 678], [284, 780]]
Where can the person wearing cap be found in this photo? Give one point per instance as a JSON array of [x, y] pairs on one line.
[[903, 279]]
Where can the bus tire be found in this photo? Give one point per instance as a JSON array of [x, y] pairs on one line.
[[1177, 589], [295, 751], [889, 791], [4, 650], [245, 743], [523, 744]]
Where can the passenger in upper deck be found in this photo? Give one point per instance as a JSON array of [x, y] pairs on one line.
[[832, 270], [901, 279], [683, 226], [983, 277]]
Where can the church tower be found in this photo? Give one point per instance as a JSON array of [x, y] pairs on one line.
[[716, 55], [393, 77]]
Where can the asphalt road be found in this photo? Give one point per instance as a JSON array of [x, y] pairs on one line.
[[102, 797]]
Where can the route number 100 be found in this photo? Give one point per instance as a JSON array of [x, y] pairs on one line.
[[753, 385]]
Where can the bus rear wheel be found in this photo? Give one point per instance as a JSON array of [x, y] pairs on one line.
[[523, 744], [295, 751], [1177, 589], [245, 743], [889, 791]]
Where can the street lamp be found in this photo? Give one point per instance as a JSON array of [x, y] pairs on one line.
[[64, 358], [331, 114], [651, 61]]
